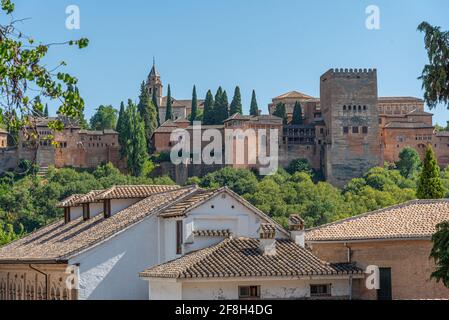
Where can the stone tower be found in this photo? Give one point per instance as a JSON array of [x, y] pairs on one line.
[[154, 83], [349, 107]]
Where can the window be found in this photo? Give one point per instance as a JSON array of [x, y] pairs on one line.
[[355, 129], [365, 130], [179, 237], [320, 290], [344, 108], [345, 130], [249, 292]]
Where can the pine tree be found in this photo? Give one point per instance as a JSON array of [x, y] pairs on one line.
[[148, 113], [194, 112], [281, 112], [168, 109], [254, 109], [429, 184], [135, 144], [156, 104], [221, 112], [236, 104], [208, 115], [121, 129], [46, 111], [297, 114]]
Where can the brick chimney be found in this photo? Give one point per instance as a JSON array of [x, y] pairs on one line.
[[296, 227], [267, 235]]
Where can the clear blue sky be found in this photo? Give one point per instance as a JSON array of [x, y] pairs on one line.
[[270, 46]]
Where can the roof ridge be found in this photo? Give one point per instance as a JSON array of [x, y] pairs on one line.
[[392, 207]]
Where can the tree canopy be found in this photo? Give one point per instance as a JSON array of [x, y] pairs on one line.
[[409, 162], [104, 118], [281, 112], [169, 108], [430, 185], [236, 104], [297, 114], [254, 108], [148, 114], [208, 114]]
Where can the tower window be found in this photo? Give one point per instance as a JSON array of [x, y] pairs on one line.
[[344, 108], [364, 130], [349, 108], [355, 129], [345, 130], [364, 108], [360, 108]]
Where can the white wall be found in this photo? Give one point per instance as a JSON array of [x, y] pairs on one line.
[[165, 289], [96, 209], [111, 269], [75, 213]]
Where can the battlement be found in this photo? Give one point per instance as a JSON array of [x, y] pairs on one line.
[[349, 73]]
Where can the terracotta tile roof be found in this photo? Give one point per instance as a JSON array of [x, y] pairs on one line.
[[294, 94], [89, 197], [267, 231], [58, 242], [399, 99], [212, 233], [181, 207], [411, 220], [126, 192], [69, 201], [241, 257]]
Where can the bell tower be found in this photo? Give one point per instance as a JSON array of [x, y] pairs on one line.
[[154, 83]]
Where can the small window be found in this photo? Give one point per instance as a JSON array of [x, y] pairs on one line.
[[349, 108], [345, 130], [320, 290], [364, 108], [344, 108], [355, 129], [365, 130], [179, 237], [249, 292]]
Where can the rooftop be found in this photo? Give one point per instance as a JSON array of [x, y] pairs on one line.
[[241, 257], [294, 95], [411, 220]]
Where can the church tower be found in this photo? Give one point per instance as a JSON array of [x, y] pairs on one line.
[[154, 83]]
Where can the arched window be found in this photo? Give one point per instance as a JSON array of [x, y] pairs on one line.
[[344, 108]]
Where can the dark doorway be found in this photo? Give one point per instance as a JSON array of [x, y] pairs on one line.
[[384, 293]]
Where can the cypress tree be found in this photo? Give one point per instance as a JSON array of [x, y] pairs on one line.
[[254, 109], [135, 145], [281, 112], [46, 111], [221, 108], [121, 129], [155, 102], [168, 109], [194, 112], [217, 106], [297, 114], [148, 114], [208, 115], [429, 184], [236, 104]]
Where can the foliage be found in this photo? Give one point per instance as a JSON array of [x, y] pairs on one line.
[[297, 114], [221, 104], [208, 113], [440, 253], [104, 118], [7, 234], [156, 104], [121, 123], [148, 113], [281, 112], [236, 103], [435, 75], [194, 113], [409, 162], [254, 108], [430, 185], [299, 165], [26, 80], [169, 108]]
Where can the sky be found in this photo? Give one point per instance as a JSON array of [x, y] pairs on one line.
[[271, 46]]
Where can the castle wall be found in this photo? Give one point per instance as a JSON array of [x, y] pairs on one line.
[[349, 107]]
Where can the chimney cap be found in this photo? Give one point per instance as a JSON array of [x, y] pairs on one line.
[[295, 223], [267, 231]]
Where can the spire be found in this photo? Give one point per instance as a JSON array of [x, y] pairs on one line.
[[153, 72]]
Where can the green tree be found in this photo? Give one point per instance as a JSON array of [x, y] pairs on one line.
[[281, 112], [236, 104], [24, 71], [38, 107], [429, 184], [440, 253], [194, 114], [297, 114], [169, 109], [156, 104], [208, 114], [46, 111], [104, 118], [435, 76], [121, 129], [409, 162], [221, 112], [148, 113], [135, 144], [254, 108], [299, 165]]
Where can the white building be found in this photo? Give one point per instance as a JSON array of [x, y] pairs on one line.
[[110, 236]]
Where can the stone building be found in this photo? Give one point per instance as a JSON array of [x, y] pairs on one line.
[[397, 240], [3, 138]]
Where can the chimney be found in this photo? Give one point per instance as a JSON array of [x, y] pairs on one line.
[[296, 227], [267, 244]]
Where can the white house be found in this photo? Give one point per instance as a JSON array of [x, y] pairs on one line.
[[192, 244]]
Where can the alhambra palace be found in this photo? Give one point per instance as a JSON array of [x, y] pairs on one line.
[[346, 131]]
